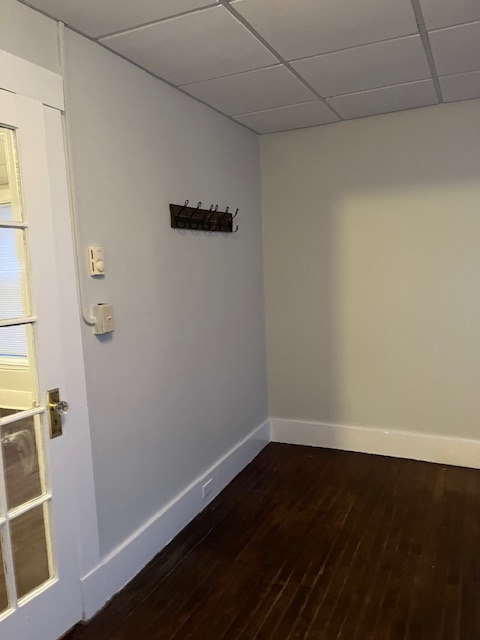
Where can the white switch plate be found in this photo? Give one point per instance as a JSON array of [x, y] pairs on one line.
[[96, 261]]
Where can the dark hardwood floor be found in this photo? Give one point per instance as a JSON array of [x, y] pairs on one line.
[[315, 544]]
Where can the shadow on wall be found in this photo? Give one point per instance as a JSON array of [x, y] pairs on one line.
[[372, 259]]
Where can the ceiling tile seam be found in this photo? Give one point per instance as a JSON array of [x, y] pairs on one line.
[[339, 95], [231, 75], [285, 62], [388, 86], [309, 126], [345, 121], [357, 46], [282, 106], [301, 128], [427, 47], [383, 114], [152, 23], [459, 73], [383, 86], [453, 26]]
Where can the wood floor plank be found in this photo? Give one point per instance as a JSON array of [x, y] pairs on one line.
[[315, 544]]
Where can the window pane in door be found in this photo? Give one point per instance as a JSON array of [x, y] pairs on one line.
[[30, 550], [13, 278], [10, 205], [3, 586], [17, 375], [21, 462], [6, 211]]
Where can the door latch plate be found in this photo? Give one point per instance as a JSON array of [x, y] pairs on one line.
[[54, 418]]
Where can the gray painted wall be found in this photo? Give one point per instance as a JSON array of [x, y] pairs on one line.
[[372, 263], [183, 378], [28, 34]]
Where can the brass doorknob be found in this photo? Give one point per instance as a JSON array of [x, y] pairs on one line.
[[60, 407]]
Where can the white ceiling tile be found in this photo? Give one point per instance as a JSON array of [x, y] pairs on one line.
[[368, 67], [369, 103], [198, 46], [301, 28], [252, 91], [446, 13], [294, 117], [99, 17], [463, 86], [457, 49]]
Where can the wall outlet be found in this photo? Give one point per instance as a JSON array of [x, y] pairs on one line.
[[104, 321], [207, 488]]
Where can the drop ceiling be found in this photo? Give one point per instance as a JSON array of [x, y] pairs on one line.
[[275, 65]]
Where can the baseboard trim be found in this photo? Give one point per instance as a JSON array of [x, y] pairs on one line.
[[459, 452], [133, 554]]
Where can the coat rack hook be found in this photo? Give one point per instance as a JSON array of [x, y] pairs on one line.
[[208, 217], [199, 204], [196, 218], [185, 205]]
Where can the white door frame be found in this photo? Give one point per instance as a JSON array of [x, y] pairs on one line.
[[25, 78]]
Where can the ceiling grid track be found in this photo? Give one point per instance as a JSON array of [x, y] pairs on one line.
[[280, 58], [426, 45], [152, 23], [276, 65]]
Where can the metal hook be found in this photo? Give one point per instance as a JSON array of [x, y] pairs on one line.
[[233, 218], [208, 219], [222, 219], [226, 213], [179, 213], [199, 204]]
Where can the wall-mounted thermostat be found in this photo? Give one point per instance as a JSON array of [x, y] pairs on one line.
[[96, 261], [104, 322]]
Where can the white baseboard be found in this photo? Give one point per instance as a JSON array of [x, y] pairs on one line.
[[133, 554], [398, 444], [117, 569]]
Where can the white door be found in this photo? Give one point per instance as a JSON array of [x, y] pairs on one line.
[[39, 582]]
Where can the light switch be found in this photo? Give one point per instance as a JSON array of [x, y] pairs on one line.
[[96, 261]]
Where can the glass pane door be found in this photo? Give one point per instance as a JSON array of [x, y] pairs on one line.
[[26, 564]]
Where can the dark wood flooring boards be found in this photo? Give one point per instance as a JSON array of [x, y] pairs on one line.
[[315, 544]]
